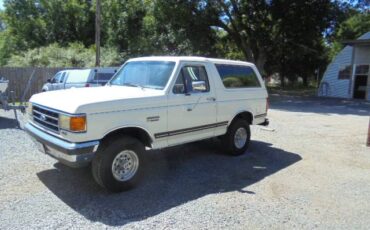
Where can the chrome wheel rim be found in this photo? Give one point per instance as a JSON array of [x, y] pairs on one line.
[[125, 165], [240, 137]]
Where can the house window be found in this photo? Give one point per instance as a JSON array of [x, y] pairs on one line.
[[345, 72], [362, 69]]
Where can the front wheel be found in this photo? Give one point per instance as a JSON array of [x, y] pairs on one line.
[[237, 138], [118, 164]]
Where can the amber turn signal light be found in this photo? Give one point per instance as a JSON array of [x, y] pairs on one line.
[[77, 124]]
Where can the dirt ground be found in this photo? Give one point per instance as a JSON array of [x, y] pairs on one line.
[[309, 170]]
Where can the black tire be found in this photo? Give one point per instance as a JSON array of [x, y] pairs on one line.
[[228, 139], [102, 163]]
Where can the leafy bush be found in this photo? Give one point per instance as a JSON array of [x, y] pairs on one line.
[[74, 55]]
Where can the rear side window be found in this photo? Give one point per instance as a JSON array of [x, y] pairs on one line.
[[78, 76], [103, 76], [237, 76]]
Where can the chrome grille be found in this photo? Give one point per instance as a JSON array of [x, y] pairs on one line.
[[46, 118]]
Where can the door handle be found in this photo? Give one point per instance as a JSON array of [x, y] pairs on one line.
[[211, 99]]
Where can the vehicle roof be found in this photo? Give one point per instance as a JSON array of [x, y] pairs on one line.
[[99, 69], [191, 58]]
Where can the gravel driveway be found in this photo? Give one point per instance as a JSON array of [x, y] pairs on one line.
[[312, 171]]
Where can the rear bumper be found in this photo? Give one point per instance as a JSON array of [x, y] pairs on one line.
[[266, 122], [71, 154]]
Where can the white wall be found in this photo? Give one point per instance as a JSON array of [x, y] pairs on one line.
[[362, 55], [337, 88]]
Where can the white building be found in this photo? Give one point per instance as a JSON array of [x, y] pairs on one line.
[[348, 75]]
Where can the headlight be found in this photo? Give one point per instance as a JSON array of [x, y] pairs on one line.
[[72, 123]]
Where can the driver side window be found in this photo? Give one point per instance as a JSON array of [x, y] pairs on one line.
[[191, 79], [56, 78]]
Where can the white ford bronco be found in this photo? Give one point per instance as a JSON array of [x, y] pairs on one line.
[[150, 103]]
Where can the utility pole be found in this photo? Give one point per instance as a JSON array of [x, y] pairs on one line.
[[97, 33]]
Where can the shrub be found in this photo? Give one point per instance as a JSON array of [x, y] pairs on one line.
[[74, 55]]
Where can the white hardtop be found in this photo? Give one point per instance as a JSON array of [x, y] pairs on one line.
[[191, 58], [88, 70]]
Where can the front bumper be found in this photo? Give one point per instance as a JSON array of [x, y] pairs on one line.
[[71, 154]]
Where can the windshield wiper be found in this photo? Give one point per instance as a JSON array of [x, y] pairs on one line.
[[133, 85], [153, 87]]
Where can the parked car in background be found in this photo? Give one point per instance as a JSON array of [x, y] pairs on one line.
[[78, 78]]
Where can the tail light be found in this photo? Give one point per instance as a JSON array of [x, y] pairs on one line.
[[87, 85], [267, 103]]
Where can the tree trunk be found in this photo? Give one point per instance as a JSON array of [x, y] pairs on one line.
[[260, 63], [305, 80], [282, 74], [282, 79]]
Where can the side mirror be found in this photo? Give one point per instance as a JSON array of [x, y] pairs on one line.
[[199, 86], [49, 80]]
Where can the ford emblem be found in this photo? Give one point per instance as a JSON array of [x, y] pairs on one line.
[[43, 117]]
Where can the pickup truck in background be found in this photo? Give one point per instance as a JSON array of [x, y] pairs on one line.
[[150, 103], [78, 78]]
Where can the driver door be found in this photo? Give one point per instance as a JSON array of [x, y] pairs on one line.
[[191, 105]]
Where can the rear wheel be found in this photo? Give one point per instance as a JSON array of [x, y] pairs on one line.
[[118, 164], [237, 138]]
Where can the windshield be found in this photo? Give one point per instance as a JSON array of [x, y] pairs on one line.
[[146, 74]]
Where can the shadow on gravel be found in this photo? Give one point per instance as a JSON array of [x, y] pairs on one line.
[[174, 176], [8, 123], [307, 104]]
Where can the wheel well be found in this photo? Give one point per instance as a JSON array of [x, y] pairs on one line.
[[247, 116], [135, 132]]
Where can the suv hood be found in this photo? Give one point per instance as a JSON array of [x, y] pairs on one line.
[[70, 100]]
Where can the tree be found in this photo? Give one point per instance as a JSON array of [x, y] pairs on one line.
[[287, 37], [72, 55], [352, 28], [68, 21], [183, 28], [7, 47], [34, 23], [248, 24], [122, 24], [272, 32], [298, 27], [24, 23], [245, 23]]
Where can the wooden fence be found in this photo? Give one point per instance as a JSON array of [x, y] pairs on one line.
[[18, 78]]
